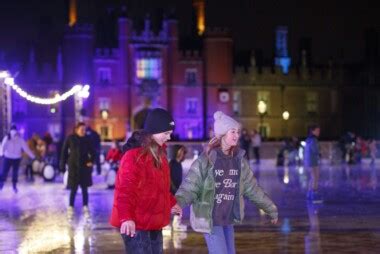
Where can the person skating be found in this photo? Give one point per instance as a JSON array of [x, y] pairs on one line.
[[215, 187], [176, 180], [96, 143], [12, 148], [311, 161], [78, 153], [372, 150], [256, 144], [142, 198]]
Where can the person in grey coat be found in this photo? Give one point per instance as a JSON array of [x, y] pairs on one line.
[[216, 185], [311, 161]]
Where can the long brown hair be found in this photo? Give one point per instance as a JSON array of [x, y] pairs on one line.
[[150, 147], [216, 142]]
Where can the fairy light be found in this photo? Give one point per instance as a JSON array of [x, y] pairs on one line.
[[4, 74], [81, 90]]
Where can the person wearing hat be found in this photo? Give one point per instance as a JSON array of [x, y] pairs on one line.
[[215, 187], [12, 148], [142, 199]]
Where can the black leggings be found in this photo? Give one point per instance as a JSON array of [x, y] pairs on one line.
[[73, 193]]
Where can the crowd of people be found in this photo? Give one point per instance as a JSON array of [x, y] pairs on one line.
[[150, 190], [354, 147], [349, 149]]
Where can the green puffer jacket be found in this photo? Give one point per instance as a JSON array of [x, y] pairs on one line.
[[198, 189]]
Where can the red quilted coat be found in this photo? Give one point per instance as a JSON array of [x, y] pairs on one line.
[[142, 192]]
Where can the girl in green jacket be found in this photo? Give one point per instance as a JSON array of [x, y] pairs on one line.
[[216, 184]]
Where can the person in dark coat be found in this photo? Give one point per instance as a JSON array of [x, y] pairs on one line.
[[176, 170], [78, 153], [96, 144], [245, 142]]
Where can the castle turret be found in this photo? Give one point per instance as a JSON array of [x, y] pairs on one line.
[[218, 57], [217, 50], [199, 6], [125, 31], [170, 27], [282, 58], [77, 59]]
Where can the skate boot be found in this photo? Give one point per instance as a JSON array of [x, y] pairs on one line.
[[86, 213], [15, 190], [70, 213]]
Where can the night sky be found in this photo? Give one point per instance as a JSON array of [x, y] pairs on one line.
[[335, 30]]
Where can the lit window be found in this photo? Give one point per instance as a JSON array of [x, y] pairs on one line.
[[104, 132], [104, 103], [148, 68]]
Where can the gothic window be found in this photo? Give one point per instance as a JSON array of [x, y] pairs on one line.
[[148, 68], [191, 105], [104, 75], [312, 102], [104, 103], [191, 77]]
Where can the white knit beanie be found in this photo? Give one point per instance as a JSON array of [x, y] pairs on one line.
[[223, 124]]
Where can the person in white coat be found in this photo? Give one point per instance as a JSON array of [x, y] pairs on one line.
[[11, 149]]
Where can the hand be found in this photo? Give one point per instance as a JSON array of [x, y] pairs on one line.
[[128, 227], [176, 209], [274, 221], [89, 164]]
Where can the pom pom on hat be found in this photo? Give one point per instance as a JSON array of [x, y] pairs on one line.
[[223, 123]]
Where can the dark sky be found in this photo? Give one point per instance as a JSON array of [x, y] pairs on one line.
[[336, 28]]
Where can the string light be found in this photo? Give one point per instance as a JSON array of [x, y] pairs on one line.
[[81, 90], [4, 74]]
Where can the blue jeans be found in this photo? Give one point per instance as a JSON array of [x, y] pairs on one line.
[[144, 242], [7, 165], [221, 240]]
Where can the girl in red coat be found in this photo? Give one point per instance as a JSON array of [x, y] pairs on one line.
[[114, 154], [142, 199]]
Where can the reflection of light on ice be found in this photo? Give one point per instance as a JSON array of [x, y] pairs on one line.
[[44, 236], [166, 235], [79, 240], [176, 238], [286, 175]]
